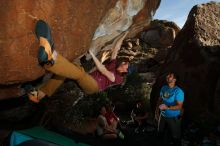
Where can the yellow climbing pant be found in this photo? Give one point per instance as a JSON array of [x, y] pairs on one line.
[[63, 69]]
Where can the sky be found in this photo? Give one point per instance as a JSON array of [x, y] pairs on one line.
[[177, 10]]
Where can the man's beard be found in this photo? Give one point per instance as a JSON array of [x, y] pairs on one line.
[[170, 81]]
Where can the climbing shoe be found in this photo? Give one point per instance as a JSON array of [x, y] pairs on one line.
[[32, 93], [46, 48], [33, 96]]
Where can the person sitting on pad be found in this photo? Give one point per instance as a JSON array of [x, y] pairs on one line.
[[104, 130], [100, 79]]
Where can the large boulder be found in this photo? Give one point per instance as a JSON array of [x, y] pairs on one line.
[[160, 33], [76, 27], [68, 20], [195, 57], [158, 38]]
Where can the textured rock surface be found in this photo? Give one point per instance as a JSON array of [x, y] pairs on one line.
[[73, 24], [147, 52], [195, 57], [68, 20], [160, 33], [159, 37], [132, 14]]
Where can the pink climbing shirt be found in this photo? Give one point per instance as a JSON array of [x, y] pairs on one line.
[[103, 81]]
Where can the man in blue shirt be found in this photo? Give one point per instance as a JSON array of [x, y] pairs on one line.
[[170, 106]]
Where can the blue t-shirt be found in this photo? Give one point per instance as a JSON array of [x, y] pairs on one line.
[[169, 98]]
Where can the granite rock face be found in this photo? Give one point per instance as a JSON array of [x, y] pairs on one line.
[[195, 57], [68, 20], [132, 15], [160, 34], [76, 27]]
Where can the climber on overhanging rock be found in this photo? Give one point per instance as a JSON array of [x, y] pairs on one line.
[[100, 79]]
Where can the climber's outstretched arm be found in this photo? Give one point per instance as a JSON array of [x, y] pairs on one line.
[[102, 68]]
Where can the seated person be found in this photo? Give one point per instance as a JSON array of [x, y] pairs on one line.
[[103, 129], [110, 116], [139, 115]]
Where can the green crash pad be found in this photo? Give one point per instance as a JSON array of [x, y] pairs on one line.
[[43, 134]]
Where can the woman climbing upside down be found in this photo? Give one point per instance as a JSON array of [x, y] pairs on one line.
[[100, 79]]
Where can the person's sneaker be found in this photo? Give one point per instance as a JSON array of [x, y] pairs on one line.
[[121, 135]]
